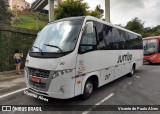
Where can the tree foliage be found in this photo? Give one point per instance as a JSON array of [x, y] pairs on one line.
[[5, 15], [71, 8], [155, 31], [94, 13], [98, 12], [136, 25]]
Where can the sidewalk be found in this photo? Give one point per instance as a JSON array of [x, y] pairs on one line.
[[10, 82]]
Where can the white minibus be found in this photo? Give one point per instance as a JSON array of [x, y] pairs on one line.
[[74, 56]]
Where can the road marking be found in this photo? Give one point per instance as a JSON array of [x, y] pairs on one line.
[[129, 83], [99, 103], [137, 76], [17, 91], [124, 86]]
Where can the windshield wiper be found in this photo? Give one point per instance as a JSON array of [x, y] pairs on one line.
[[40, 50], [54, 47]]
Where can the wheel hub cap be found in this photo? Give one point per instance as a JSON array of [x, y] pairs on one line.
[[89, 88]]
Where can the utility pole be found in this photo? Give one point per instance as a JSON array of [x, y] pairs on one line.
[[37, 22], [107, 10], [51, 10], [16, 10]]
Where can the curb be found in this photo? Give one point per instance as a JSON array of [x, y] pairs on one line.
[[9, 72]]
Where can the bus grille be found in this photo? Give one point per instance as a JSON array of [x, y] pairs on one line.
[[38, 85], [39, 73]]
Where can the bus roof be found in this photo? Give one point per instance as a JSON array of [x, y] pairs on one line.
[[68, 19], [99, 20]]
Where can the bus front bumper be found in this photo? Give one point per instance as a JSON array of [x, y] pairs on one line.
[[59, 95]]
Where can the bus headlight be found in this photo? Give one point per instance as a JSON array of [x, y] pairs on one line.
[[56, 74], [62, 72]]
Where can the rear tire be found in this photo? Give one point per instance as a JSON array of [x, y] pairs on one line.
[[132, 70], [88, 90]]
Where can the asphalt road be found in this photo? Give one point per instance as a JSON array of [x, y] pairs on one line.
[[141, 89]]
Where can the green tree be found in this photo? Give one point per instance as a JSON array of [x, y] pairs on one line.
[[70, 8], [155, 31], [94, 13], [98, 12], [5, 15], [136, 25]]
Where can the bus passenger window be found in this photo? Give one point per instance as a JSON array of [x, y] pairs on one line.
[[88, 42]]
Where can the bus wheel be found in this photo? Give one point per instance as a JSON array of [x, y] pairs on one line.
[[132, 70], [88, 90]]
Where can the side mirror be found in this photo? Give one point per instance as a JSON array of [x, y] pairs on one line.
[[89, 28]]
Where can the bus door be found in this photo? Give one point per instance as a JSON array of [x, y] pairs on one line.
[[86, 60]]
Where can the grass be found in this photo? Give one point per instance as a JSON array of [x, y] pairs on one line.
[[31, 20]]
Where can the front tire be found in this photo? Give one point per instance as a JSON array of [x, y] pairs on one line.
[[88, 90]]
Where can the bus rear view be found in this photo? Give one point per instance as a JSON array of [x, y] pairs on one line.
[[151, 49]]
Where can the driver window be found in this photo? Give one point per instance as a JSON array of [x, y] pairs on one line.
[[88, 42]]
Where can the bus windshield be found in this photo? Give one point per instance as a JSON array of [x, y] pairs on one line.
[[57, 37], [150, 46]]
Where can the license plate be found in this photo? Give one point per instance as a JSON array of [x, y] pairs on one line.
[[35, 79]]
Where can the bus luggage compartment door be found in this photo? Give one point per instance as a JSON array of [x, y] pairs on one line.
[[118, 71]]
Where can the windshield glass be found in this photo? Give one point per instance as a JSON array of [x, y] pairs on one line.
[[150, 46], [57, 37]]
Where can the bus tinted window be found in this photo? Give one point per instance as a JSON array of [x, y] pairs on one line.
[[108, 37], [100, 32], [111, 38], [134, 41]]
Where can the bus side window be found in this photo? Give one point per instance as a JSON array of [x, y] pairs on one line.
[[88, 42]]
